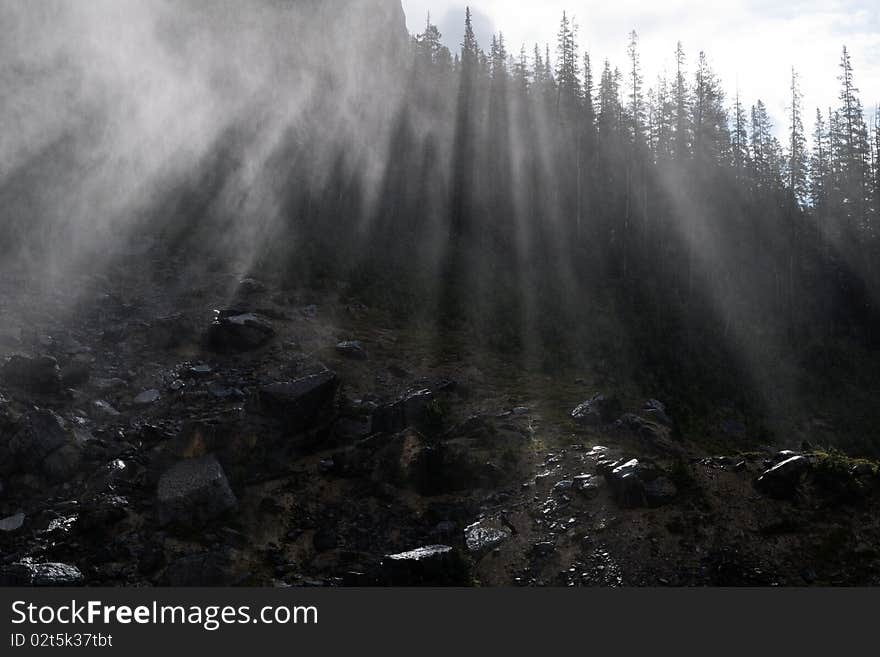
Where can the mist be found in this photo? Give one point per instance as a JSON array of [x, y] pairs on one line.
[[289, 294]]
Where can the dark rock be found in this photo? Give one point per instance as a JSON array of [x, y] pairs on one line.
[[781, 481], [41, 375], [102, 410], [40, 575], [148, 397], [77, 372], [194, 492], [353, 350], [249, 287], [63, 464], [410, 410], [225, 392], [587, 485], [301, 402], [660, 491], [234, 331], [200, 371], [434, 565], [41, 434], [484, 536], [598, 410], [733, 428], [656, 410], [325, 540], [12, 523], [410, 460]]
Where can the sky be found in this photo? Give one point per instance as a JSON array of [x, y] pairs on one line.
[[751, 44]]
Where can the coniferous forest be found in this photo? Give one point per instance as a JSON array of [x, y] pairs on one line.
[[290, 295]]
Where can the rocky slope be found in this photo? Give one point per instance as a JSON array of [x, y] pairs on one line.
[[234, 432]]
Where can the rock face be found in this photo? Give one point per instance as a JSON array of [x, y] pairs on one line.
[[194, 492], [434, 565], [41, 375], [782, 480], [300, 402], [411, 410], [597, 411], [234, 332]]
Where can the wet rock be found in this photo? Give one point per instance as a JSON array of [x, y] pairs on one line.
[[352, 349], [12, 523], [410, 410], [597, 410], [225, 392], [40, 575], [484, 536], [41, 375], [627, 486], [433, 565], [200, 371], [102, 410], [194, 492], [782, 480], [235, 332], [635, 484], [148, 398], [587, 485], [301, 402]]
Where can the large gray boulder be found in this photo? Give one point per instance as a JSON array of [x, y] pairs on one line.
[[194, 492]]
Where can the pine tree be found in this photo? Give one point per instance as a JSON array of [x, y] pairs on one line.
[[567, 79], [636, 101], [682, 102], [854, 148], [740, 139], [820, 173], [797, 148]]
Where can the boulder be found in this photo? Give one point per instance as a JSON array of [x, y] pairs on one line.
[[40, 375], [353, 350], [301, 402], [597, 411], [147, 398], [782, 480], [636, 485], [194, 492], [40, 434], [410, 410], [40, 574], [433, 565], [235, 332], [13, 523], [484, 536]]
